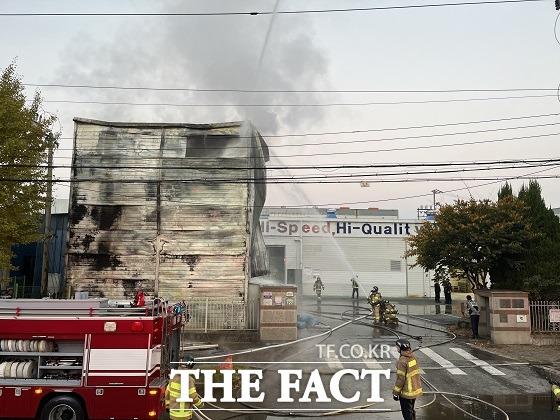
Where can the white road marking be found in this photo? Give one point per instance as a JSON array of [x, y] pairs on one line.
[[484, 365], [334, 363], [370, 362], [442, 362]]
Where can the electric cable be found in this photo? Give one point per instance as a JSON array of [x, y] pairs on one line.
[[328, 133], [265, 13], [294, 105], [224, 146], [179, 89]]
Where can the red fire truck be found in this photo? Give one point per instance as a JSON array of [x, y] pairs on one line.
[[77, 359]]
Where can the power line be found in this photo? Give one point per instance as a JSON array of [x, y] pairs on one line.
[[413, 127], [297, 105], [264, 13], [291, 180], [383, 200], [309, 205], [486, 165], [437, 146], [338, 142], [178, 89], [417, 147]]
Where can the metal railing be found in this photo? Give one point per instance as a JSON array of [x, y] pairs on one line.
[[15, 308], [213, 314], [540, 317]]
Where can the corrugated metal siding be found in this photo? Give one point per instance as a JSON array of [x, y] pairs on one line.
[[164, 196], [340, 257]]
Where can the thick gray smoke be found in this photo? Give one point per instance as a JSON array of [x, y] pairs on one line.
[[218, 52]]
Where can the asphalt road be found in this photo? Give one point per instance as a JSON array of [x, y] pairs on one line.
[[448, 365]]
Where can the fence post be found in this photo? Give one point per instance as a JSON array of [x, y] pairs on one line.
[[206, 317], [15, 288]]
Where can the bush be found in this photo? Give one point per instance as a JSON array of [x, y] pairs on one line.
[[540, 288]]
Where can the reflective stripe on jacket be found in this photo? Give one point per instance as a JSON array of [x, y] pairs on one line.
[[408, 384], [556, 391], [181, 410]]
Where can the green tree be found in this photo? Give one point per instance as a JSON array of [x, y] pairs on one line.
[[504, 272], [24, 142], [470, 236], [538, 267]]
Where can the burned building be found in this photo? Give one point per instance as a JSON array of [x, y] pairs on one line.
[[170, 209]]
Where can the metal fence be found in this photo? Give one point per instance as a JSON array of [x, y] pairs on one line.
[[222, 314], [14, 287], [541, 317]]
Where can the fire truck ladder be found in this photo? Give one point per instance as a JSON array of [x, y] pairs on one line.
[[166, 340]]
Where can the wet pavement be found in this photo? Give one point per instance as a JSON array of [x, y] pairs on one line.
[[448, 365]]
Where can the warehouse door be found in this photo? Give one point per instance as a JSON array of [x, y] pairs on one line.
[[277, 262]]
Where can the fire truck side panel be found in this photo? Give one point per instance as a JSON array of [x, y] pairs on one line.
[[119, 359], [122, 403], [16, 402]]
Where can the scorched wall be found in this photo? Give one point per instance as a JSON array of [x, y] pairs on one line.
[[171, 209]]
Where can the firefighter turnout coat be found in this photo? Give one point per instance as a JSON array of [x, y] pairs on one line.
[[181, 410], [556, 392], [408, 383]]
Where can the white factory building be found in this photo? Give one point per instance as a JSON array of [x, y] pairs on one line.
[[338, 244]]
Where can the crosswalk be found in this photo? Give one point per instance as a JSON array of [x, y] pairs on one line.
[[484, 365], [427, 357], [440, 360]]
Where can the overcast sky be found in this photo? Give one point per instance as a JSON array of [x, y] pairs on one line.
[[507, 54]]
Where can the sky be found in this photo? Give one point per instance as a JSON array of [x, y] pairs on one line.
[[382, 107]]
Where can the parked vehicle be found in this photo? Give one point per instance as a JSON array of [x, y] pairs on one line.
[[77, 359]]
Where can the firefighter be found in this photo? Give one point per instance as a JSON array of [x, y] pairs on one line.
[[318, 286], [182, 410], [375, 302], [474, 314], [389, 312], [139, 300], [555, 389], [408, 386], [355, 287]]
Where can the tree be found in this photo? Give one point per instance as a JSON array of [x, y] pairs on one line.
[[504, 272], [24, 142], [539, 264], [469, 236]]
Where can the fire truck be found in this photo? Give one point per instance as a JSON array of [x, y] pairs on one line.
[[77, 359]]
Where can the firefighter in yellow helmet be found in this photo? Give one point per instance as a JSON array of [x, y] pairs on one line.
[[318, 287], [375, 302], [182, 410], [408, 386]]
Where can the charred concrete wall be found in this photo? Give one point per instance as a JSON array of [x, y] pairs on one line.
[[172, 209]]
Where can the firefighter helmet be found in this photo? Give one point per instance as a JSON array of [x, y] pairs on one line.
[[375, 289], [188, 361], [403, 344]]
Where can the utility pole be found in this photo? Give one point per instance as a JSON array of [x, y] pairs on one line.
[[46, 241], [434, 192]]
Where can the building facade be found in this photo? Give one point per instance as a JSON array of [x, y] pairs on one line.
[[338, 244], [170, 209]]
